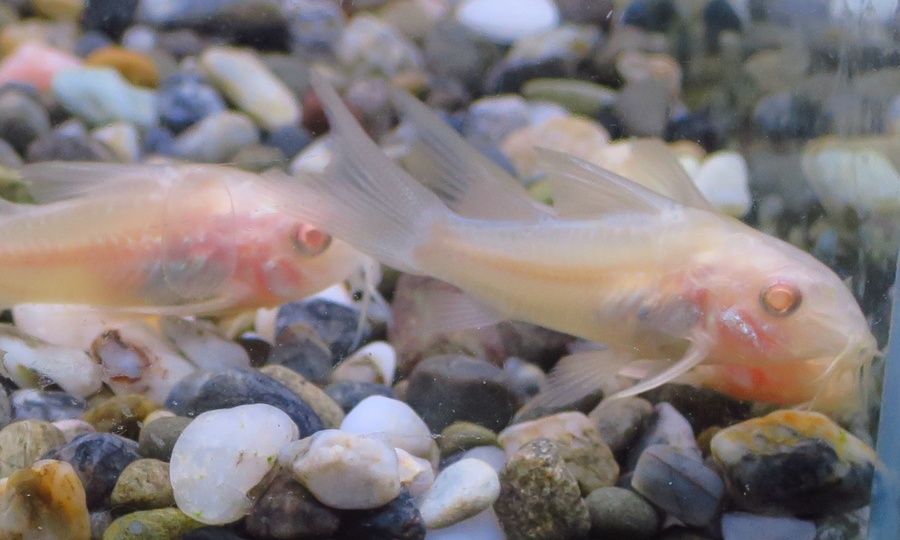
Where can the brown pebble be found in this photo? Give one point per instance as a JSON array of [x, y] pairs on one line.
[[138, 68]]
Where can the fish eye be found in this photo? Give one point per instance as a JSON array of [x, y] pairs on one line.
[[780, 299], [310, 241]]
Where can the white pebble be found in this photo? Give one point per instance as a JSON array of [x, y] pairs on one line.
[[724, 180], [484, 526], [344, 470], [73, 427], [396, 420], [26, 360], [374, 363], [460, 491], [505, 21], [222, 455], [416, 474], [203, 345], [137, 360], [65, 325], [492, 455]]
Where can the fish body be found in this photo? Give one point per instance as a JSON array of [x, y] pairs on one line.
[[185, 239], [653, 278]]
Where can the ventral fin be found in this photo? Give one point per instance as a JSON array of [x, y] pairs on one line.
[[451, 310], [584, 190], [579, 375], [467, 181]]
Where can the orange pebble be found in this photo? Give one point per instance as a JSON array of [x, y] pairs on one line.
[[138, 68]]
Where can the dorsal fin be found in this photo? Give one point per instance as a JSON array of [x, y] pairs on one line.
[[650, 163], [467, 181], [59, 180], [584, 190]]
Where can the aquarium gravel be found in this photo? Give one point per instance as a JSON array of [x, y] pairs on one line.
[[367, 411]]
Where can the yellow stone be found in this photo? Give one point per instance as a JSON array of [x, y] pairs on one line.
[[138, 68], [44, 502], [59, 9]]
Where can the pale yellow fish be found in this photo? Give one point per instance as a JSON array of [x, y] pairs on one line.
[[161, 239], [613, 262]]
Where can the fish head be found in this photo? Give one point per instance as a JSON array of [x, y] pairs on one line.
[[770, 303]]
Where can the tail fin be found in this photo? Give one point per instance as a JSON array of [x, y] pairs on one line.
[[363, 197]]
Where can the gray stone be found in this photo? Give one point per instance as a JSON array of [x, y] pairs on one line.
[[621, 513], [743, 526], [22, 119], [286, 509], [216, 138], [621, 421], [679, 483], [158, 437], [452, 388]]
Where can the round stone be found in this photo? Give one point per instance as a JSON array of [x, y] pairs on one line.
[[222, 455], [395, 420], [621, 513], [344, 470], [286, 509], [99, 459], [491, 18], [47, 497], [23, 443], [143, 485], [460, 491], [157, 438]]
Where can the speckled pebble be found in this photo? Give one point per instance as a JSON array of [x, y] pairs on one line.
[[22, 443], [369, 46], [99, 459], [579, 444], [539, 498], [222, 455], [459, 492], [157, 438], [47, 497], [151, 525], [143, 485], [345, 470]]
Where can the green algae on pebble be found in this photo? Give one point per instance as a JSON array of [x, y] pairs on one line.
[[151, 525]]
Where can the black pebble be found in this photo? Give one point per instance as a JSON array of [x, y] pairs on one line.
[[397, 520], [99, 459], [348, 394], [206, 391], [112, 17]]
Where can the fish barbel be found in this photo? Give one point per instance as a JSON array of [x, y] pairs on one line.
[[613, 262], [160, 240]]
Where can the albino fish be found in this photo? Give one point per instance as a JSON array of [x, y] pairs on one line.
[[652, 278], [160, 240]]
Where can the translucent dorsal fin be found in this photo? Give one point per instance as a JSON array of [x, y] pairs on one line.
[[59, 180], [651, 164], [467, 181], [582, 189]]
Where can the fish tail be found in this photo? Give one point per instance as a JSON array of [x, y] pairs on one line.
[[363, 197]]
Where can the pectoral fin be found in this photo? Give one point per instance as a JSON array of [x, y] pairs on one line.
[[695, 354], [577, 376]]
